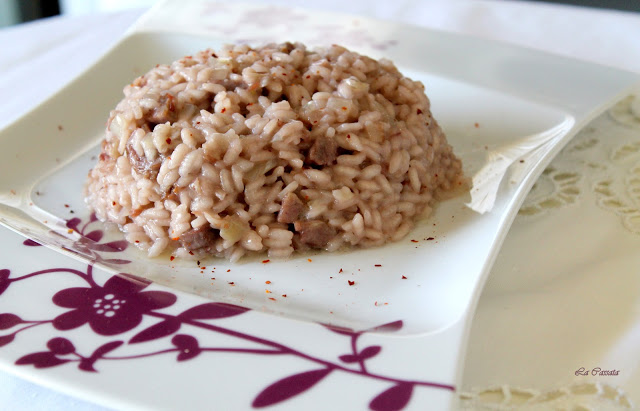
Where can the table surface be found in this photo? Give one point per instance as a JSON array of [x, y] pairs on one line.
[[44, 55]]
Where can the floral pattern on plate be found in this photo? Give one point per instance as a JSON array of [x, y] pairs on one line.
[[118, 306]]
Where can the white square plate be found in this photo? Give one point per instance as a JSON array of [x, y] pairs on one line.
[[424, 288]]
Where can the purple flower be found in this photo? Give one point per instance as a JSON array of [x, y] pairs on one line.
[[114, 308]]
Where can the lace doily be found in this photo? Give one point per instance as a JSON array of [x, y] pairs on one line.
[[576, 397], [595, 178]]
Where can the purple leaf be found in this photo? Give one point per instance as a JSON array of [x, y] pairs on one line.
[[73, 223], [113, 246], [8, 320], [289, 387], [44, 359], [31, 243], [389, 327], [86, 364], [93, 218], [395, 398], [60, 346], [95, 235], [187, 345], [211, 311], [349, 358], [106, 348], [6, 339], [4, 280], [369, 352], [159, 330], [363, 355]]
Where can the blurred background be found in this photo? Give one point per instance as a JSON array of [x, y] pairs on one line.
[[19, 11]]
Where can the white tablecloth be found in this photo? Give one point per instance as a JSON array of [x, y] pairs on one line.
[[38, 58]]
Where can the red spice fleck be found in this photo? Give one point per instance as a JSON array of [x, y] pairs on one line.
[[284, 295], [310, 260], [66, 205], [137, 241], [351, 282], [232, 283], [414, 241], [340, 270], [378, 265], [376, 303], [172, 258], [348, 135], [331, 277], [267, 291], [308, 76], [267, 282], [198, 263], [191, 252], [430, 238], [404, 277], [284, 74], [272, 299], [113, 203], [214, 55], [168, 140], [419, 111], [344, 108], [213, 278], [265, 261], [203, 268], [476, 125], [223, 110]]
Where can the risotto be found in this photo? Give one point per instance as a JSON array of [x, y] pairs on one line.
[[273, 149]]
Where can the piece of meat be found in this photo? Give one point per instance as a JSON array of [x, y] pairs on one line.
[[290, 209], [142, 165], [166, 111], [314, 233], [324, 151], [199, 238]]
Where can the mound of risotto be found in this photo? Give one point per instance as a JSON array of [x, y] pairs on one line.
[[273, 149]]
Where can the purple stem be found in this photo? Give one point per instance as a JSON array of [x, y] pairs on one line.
[[88, 276], [31, 325], [286, 350], [84, 227], [354, 348], [233, 350]]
